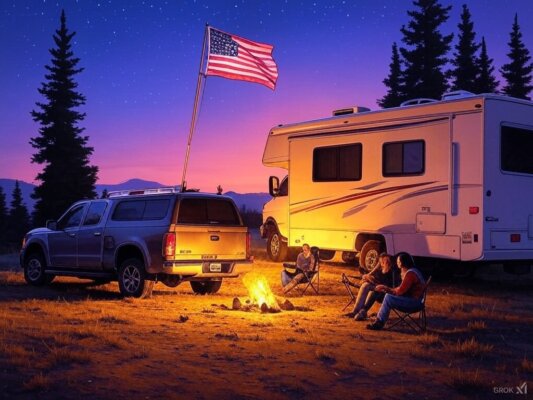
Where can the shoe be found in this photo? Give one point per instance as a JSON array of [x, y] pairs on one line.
[[349, 315], [360, 316], [376, 326]]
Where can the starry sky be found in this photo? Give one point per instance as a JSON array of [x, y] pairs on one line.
[[141, 61]]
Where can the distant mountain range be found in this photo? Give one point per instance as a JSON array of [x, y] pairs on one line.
[[252, 201]]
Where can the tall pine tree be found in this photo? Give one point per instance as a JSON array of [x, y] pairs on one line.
[[67, 175], [425, 56], [394, 95], [466, 69], [517, 72], [19, 218], [3, 220], [485, 81]]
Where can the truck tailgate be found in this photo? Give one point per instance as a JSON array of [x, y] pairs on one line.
[[210, 243]]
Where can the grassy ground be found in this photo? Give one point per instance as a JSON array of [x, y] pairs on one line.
[[74, 339]]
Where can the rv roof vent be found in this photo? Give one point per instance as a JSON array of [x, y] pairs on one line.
[[351, 110], [457, 94], [414, 102]]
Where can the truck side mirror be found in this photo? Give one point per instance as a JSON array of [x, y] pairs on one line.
[[273, 186], [52, 225]]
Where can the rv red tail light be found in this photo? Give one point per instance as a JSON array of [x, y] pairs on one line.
[[169, 244], [248, 244], [473, 210], [515, 237]]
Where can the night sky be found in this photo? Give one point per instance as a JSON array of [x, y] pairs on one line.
[[141, 62]]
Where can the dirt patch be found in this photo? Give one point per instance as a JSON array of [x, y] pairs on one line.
[[75, 339]]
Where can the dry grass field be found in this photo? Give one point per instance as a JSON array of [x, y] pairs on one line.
[[77, 340]]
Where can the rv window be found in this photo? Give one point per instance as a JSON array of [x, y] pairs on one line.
[[337, 163], [284, 187], [516, 149], [403, 158]]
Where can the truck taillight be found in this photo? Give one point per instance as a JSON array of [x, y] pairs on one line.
[[248, 244], [515, 237], [169, 243]]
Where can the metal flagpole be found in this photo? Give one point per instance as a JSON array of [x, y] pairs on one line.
[[194, 110]]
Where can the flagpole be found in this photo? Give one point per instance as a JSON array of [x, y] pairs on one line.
[[194, 110]]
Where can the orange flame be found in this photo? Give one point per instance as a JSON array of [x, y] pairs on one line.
[[259, 290]]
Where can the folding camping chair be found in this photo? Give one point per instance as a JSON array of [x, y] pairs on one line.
[[408, 316], [311, 278], [349, 282]]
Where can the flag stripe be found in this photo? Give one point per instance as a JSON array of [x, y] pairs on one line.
[[219, 61], [238, 58]]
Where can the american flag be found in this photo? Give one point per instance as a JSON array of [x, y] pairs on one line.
[[234, 57]]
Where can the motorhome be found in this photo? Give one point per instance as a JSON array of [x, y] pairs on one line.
[[444, 180]]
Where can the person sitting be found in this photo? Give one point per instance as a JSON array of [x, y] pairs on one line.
[[385, 273], [304, 262], [408, 294]]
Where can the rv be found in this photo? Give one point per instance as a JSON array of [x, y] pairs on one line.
[[442, 180]]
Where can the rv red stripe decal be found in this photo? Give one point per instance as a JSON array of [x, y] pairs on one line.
[[357, 196]]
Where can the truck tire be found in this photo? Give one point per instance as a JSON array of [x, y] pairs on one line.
[[34, 270], [369, 256], [276, 248], [206, 287], [132, 279]]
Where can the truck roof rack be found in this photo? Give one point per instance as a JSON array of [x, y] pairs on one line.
[[123, 193]]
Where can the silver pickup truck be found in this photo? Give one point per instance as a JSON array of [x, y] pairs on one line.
[[141, 237]]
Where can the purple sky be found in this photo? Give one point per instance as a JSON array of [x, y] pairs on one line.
[[141, 63]]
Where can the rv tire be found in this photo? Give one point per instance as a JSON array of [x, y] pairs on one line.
[[276, 247], [369, 256]]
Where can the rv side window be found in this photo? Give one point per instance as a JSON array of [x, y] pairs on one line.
[[516, 150], [337, 163], [284, 187], [403, 158]]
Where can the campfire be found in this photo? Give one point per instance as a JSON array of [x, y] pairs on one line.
[[260, 293]]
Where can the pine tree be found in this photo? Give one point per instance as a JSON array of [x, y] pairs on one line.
[[485, 81], [3, 219], [466, 69], [18, 218], [394, 95], [426, 56], [67, 175], [517, 72]]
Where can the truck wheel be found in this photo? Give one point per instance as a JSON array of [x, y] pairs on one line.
[[276, 248], [34, 270], [206, 287], [369, 256], [132, 279]]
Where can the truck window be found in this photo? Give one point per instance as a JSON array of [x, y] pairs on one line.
[[207, 212], [284, 187], [403, 158], [516, 149], [94, 215], [337, 163], [141, 210], [72, 218]]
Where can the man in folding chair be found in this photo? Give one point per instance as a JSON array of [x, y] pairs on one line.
[[306, 270], [408, 296], [385, 273]]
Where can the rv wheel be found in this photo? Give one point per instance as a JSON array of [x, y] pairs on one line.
[[369, 256], [276, 248]]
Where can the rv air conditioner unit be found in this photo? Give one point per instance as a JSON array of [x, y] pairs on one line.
[[351, 110]]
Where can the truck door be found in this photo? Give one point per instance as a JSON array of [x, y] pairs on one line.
[[90, 236], [62, 243]]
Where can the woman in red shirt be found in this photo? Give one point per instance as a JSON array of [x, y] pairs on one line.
[[407, 295]]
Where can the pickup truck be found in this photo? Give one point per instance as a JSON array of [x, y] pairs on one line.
[[140, 237]]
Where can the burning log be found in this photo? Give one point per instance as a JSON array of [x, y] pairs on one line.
[[260, 293]]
